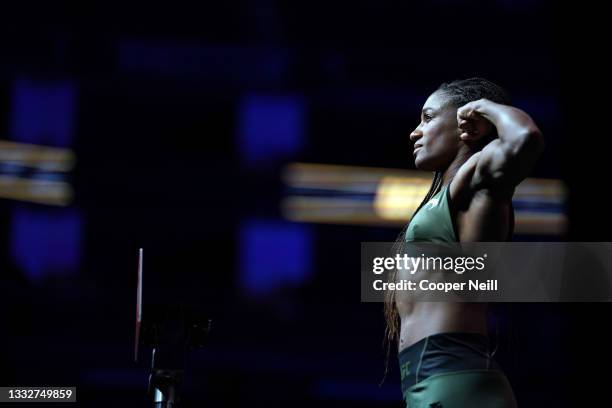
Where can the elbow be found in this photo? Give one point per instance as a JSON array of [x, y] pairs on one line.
[[534, 141], [530, 141]]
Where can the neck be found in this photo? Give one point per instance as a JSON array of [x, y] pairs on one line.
[[462, 156]]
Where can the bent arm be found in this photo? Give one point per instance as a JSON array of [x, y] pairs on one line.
[[507, 160]]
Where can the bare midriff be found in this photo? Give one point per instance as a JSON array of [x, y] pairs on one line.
[[422, 319]]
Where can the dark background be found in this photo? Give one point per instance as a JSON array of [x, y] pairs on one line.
[[157, 128]]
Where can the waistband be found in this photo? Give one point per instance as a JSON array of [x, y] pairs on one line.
[[443, 353]]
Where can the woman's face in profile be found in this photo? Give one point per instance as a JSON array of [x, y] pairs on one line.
[[436, 139]]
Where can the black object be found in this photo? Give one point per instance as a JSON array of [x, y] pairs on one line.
[[171, 328]]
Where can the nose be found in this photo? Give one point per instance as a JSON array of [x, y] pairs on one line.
[[416, 134]]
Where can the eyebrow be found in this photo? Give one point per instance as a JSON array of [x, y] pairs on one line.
[[427, 109]]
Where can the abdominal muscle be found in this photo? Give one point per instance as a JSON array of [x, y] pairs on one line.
[[419, 319], [422, 319]]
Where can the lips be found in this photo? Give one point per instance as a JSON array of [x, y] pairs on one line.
[[416, 147]]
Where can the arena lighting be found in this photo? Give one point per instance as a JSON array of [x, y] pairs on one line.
[[324, 193], [36, 191], [34, 173], [40, 157], [397, 196]]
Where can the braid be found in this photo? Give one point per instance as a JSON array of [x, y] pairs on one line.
[[436, 183], [391, 314], [463, 91]]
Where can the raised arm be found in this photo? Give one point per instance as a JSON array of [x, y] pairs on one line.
[[507, 160]]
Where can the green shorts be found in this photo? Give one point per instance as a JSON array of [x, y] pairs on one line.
[[462, 389]]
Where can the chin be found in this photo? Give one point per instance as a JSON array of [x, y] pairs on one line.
[[431, 162], [422, 164]]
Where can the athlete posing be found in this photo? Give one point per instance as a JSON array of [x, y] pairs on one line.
[[479, 148]]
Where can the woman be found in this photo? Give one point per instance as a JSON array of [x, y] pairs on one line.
[[479, 148]]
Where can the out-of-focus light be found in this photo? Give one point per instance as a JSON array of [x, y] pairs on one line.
[[42, 124], [398, 196], [273, 254], [37, 191], [270, 127], [42, 158], [334, 194], [46, 242], [43, 112]]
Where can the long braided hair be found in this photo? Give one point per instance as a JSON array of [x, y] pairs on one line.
[[459, 93]]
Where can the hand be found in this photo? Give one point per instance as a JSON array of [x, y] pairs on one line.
[[473, 124]]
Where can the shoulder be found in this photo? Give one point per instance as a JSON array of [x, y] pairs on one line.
[[462, 190]]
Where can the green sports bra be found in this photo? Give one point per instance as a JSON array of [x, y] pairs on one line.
[[433, 222]]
